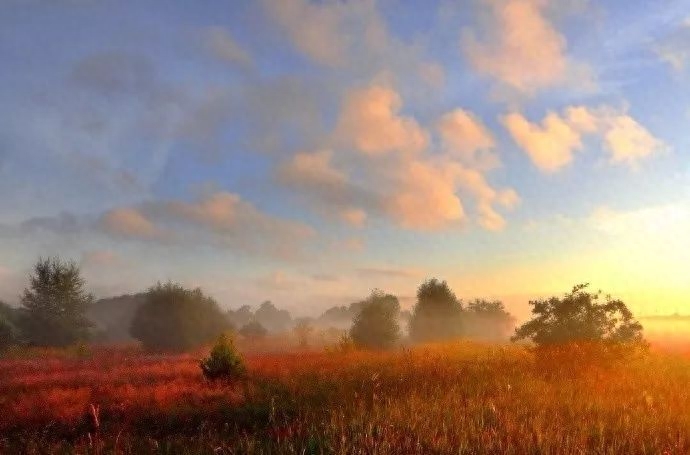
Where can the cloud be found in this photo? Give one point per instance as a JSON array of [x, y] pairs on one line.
[[370, 121], [628, 141], [551, 145], [330, 32], [389, 272], [99, 258], [354, 216], [313, 174], [466, 136], [313, 169], [522, 49], [221, 45], [424, 197], [486, 197], [131, 223], [237, 223], [674, 49], [417, 188]]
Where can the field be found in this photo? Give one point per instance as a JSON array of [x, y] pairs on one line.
[[453, 398]]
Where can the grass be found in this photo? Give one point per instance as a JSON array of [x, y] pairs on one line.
[[453, 398]]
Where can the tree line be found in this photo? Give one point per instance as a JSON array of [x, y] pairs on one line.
[[170, 317]]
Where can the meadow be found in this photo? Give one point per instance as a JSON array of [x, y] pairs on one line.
[[456, 397]]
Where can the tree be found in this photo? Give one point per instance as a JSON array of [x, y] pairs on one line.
[[437, 314], [242, 316], [487, 320], [580, 317], [173, 318], [9, 333], [273, 319], [224, 362], [253, 330], [53, 307], [303, 330], [376, 325]]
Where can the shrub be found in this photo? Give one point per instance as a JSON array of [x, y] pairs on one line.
[[224, 362], [376, 325]]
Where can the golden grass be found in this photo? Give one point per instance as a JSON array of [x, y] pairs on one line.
[[451, 398]]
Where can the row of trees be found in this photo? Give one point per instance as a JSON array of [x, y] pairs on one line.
[[437, 315], [171, 317]]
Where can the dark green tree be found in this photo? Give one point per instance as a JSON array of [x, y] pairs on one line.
[[437, 314], [580, 317], [173, 318], [53, 307], [376, 326]]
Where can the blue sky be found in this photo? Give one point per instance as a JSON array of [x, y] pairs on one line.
[[306, 152]]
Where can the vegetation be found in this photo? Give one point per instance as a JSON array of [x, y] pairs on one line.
[[487, 320], [173, 318], [9, 333], [580, 317], [53, 307], [446, 398], [224, 362], [376, 325], [253, 330], [303, 331], [437, 314]]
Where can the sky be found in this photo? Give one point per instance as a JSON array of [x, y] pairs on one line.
[[306, 152]]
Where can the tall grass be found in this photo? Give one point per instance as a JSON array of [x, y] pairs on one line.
[[448, 398]]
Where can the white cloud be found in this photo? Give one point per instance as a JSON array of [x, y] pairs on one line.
[[129, 222], [551, 145], [522, 49], [464, 135], [330, 32], [629, 142], [370, 121]]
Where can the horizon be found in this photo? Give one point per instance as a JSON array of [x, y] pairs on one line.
[[513, 149]]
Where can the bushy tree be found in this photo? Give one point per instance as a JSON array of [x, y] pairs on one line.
[[580, 317], [487, 320], [53, 307], [253, 330], [437, 314], [376, 325], [224, 362], [173, 318]]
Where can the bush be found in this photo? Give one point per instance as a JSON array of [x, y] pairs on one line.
[[173, 318], [224, 362], [376, 325]]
